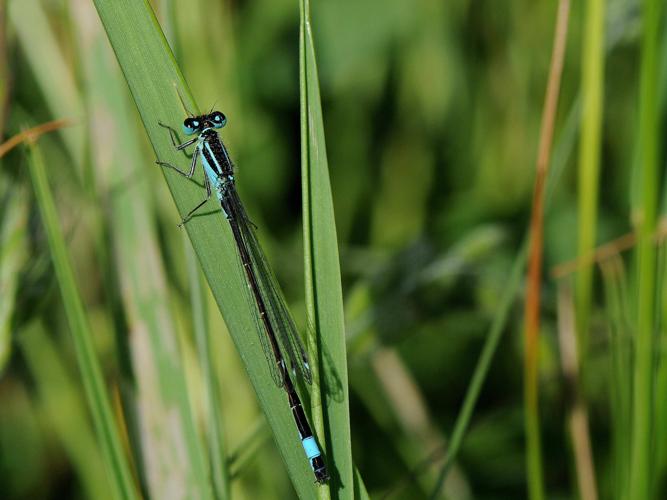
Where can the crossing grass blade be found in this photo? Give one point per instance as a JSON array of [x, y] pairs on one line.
[[118, 469], [157, 87]]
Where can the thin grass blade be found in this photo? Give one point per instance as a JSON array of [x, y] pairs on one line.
[[324, 298], [643, 415], [118, 469], [620, 342], [592, 91], [559, 159]]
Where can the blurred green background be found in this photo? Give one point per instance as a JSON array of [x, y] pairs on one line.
[[432, 112]]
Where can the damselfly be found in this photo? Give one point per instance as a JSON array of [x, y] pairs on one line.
[[279, 338]]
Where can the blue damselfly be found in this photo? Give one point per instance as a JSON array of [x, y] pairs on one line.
[[278, 335]]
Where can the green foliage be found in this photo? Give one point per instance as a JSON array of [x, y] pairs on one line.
[[402, 256]]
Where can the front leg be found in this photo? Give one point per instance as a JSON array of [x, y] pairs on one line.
[[172, 136], [208, 195], [193, 165]]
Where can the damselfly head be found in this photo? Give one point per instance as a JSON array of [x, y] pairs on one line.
[[196, 124]]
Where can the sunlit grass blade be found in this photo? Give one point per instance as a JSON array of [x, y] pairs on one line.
[[592, 91], [155, 83], [324, 299], [62, 400], [118, 468]]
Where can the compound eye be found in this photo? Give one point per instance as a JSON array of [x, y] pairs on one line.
[[190, 126], [219, 119]]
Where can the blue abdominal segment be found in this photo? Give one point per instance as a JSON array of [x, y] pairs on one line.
[[311, 448]]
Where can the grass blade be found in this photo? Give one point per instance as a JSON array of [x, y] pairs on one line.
[[577, 418], [482, 368], [559, 161], [641, 466], [534, 278], [592, 84], [360, 492], [620, 365], [120, 477], [324, 299]]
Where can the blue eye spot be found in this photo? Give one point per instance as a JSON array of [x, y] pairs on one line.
[[219, 119], [190, 126]]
